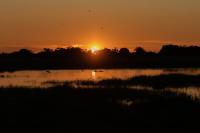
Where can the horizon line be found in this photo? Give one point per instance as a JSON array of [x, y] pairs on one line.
[[37, 49]]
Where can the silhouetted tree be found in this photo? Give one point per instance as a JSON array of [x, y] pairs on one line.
[[170, 50], [140, 51], [124, 52]]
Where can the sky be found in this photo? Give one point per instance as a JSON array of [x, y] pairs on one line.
[[36, 24]]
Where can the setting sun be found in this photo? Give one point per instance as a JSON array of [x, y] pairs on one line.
[[94, 48]]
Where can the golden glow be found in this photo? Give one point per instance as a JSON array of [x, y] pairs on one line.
[[94, 47], [35, 24]]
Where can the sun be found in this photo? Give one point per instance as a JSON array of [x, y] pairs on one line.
[[94, 48]]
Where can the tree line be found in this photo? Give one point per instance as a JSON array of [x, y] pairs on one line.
[[77, 58]]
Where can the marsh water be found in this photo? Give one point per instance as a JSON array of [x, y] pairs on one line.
[[37, 78]]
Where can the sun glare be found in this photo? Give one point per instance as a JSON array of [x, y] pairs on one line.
[[94, 48]]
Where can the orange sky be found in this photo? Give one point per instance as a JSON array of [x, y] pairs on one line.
[[36, 24]]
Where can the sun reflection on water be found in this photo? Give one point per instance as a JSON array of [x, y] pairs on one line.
[[93, 75]]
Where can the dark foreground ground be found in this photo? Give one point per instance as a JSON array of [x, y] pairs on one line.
[[63, 108]]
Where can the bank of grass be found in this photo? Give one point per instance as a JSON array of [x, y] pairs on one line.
[[63, 108], [156, 82]]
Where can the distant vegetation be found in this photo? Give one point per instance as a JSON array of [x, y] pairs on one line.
[[77, 58]]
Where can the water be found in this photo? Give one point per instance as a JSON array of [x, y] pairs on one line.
[[38, 77]]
